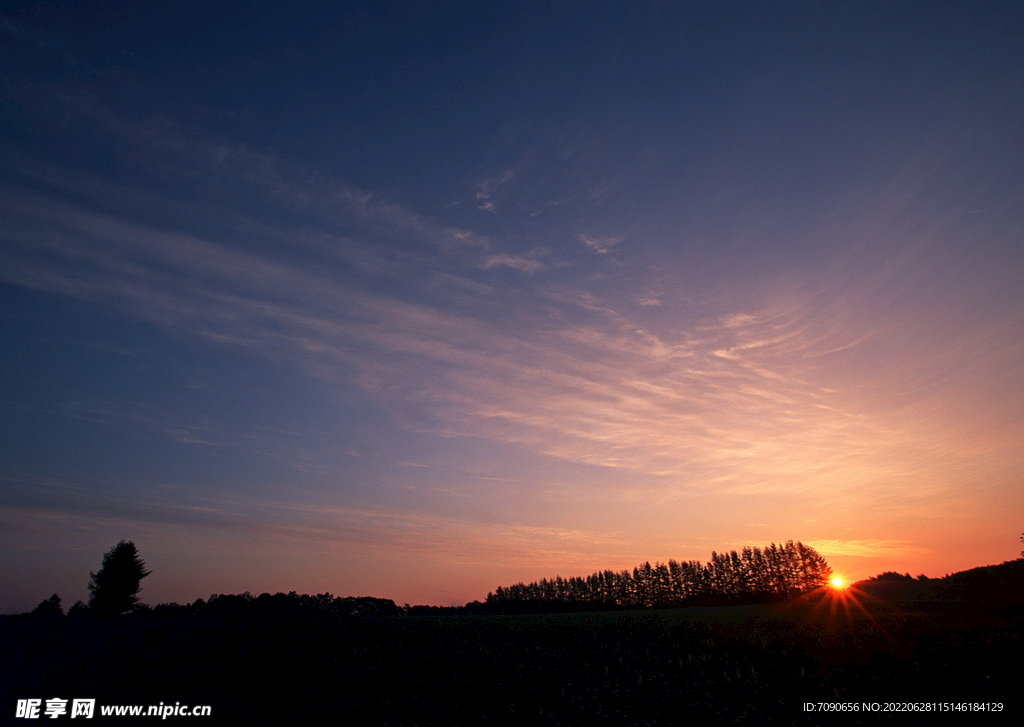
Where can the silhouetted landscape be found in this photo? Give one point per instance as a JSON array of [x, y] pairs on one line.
[[540, 362], [275, 658]]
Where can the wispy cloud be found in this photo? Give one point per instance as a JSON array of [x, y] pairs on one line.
[[722, 408], [896, 549], [42, 504], [599, 244], [726, 405], [522, 264], [489, 189], [736, 401]]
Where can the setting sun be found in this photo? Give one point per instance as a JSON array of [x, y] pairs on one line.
[[837, 582]]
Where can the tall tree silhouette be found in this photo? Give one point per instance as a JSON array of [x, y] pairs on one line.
[[115, 588]]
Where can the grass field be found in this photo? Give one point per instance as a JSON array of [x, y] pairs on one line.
[[676, 666]]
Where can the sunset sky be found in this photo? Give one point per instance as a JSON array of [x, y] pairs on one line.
[[414, 300]]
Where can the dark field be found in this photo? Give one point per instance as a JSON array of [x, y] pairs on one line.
[[756, 664]]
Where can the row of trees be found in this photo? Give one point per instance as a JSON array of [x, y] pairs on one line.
[[754, 574], [891, 576], [283, 605], [245, 605]]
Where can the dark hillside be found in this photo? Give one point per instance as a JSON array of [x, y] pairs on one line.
[[990, 586]]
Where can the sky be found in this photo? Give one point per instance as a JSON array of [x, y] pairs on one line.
[[414, 300]]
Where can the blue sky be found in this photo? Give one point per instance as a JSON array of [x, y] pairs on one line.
[[415, 301]]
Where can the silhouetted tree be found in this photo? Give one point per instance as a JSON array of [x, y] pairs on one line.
[[116, 586], [50, 607]]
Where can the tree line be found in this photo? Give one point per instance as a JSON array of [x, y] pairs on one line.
[[283, 605], [752, 575], [773, 573]]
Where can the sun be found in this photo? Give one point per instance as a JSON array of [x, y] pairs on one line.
[[837, 583]]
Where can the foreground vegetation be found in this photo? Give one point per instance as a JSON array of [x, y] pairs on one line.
[[692, 665], [537, 654]]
